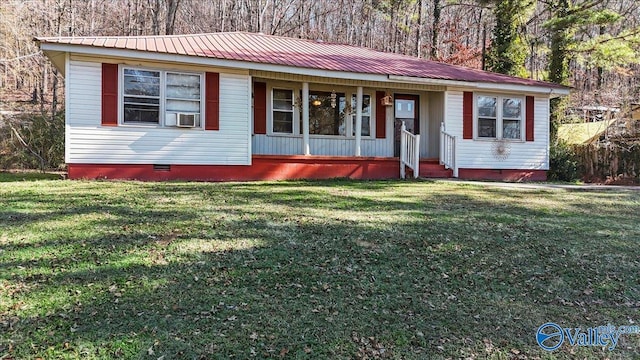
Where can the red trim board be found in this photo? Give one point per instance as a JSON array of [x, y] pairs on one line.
[[502, 175], [264, 167], [277, 167]]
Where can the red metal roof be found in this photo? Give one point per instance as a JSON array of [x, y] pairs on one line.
[[268, 49]]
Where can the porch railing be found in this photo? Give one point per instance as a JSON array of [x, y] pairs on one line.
[[409, 152], [448, 150]]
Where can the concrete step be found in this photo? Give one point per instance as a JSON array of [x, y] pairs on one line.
[[431, 168], [443, 174]]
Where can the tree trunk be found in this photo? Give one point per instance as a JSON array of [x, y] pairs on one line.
[[172, 10], [435, 29], [558, 63], [155, 18]]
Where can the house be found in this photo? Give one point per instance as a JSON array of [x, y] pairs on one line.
[[584, 133], [592, 113], [247, 106]]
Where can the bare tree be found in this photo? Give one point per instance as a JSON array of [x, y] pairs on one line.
[[449, 31]]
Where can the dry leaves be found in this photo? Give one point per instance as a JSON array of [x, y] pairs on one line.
[[368, 347]]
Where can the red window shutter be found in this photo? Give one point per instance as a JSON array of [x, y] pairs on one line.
[[259, 108], [529, 118], [109, 95], [381, 116], [467, 115], [212, 102]]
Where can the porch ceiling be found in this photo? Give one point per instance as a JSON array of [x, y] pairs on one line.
[[269, 75]]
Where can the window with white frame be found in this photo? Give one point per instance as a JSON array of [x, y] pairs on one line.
[[330, 113], [164, 98], [512, 118], [183, 96], [366, 115], [282, 106], [499, 117], [141, 96]]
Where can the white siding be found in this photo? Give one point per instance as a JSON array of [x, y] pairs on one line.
[[84, 84], [453, 113], [285, 145], [277, 145], [89, 142], [478, 154]]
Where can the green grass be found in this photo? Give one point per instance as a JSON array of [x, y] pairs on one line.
[[6, 176], [330, 269]]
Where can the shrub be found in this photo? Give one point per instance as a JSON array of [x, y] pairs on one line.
[[563, 163], [32, 141]]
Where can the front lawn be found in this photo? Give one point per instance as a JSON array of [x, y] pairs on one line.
[[330, 269]]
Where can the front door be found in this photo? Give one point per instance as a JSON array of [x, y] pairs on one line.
[[405, 109]]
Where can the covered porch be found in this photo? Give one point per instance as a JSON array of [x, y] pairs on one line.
[[328, 123]]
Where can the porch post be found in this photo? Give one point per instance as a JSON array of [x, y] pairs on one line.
[[403, 150], [441, 156], [358, 121], [305, 118]]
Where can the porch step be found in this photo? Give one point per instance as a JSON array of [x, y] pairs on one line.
[[431, 168]]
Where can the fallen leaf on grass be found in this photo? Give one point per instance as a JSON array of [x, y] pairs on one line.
[[283, 352]]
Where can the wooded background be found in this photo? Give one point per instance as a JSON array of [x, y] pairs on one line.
[[590, 45], [593, 46]]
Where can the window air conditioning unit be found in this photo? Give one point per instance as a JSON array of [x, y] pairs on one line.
[[186, 120]]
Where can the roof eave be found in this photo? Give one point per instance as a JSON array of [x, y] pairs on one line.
[[551, 91], [58, 59]]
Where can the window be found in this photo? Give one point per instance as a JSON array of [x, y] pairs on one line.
[[330, 113], [141, 96], [183, 95], [511, 118], [366, 115], [405, 109], [326, 115], [282, 101], [487, 117], [161, 97], [499, 117]]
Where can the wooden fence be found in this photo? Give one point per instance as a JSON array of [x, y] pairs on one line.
[[611, 161]]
